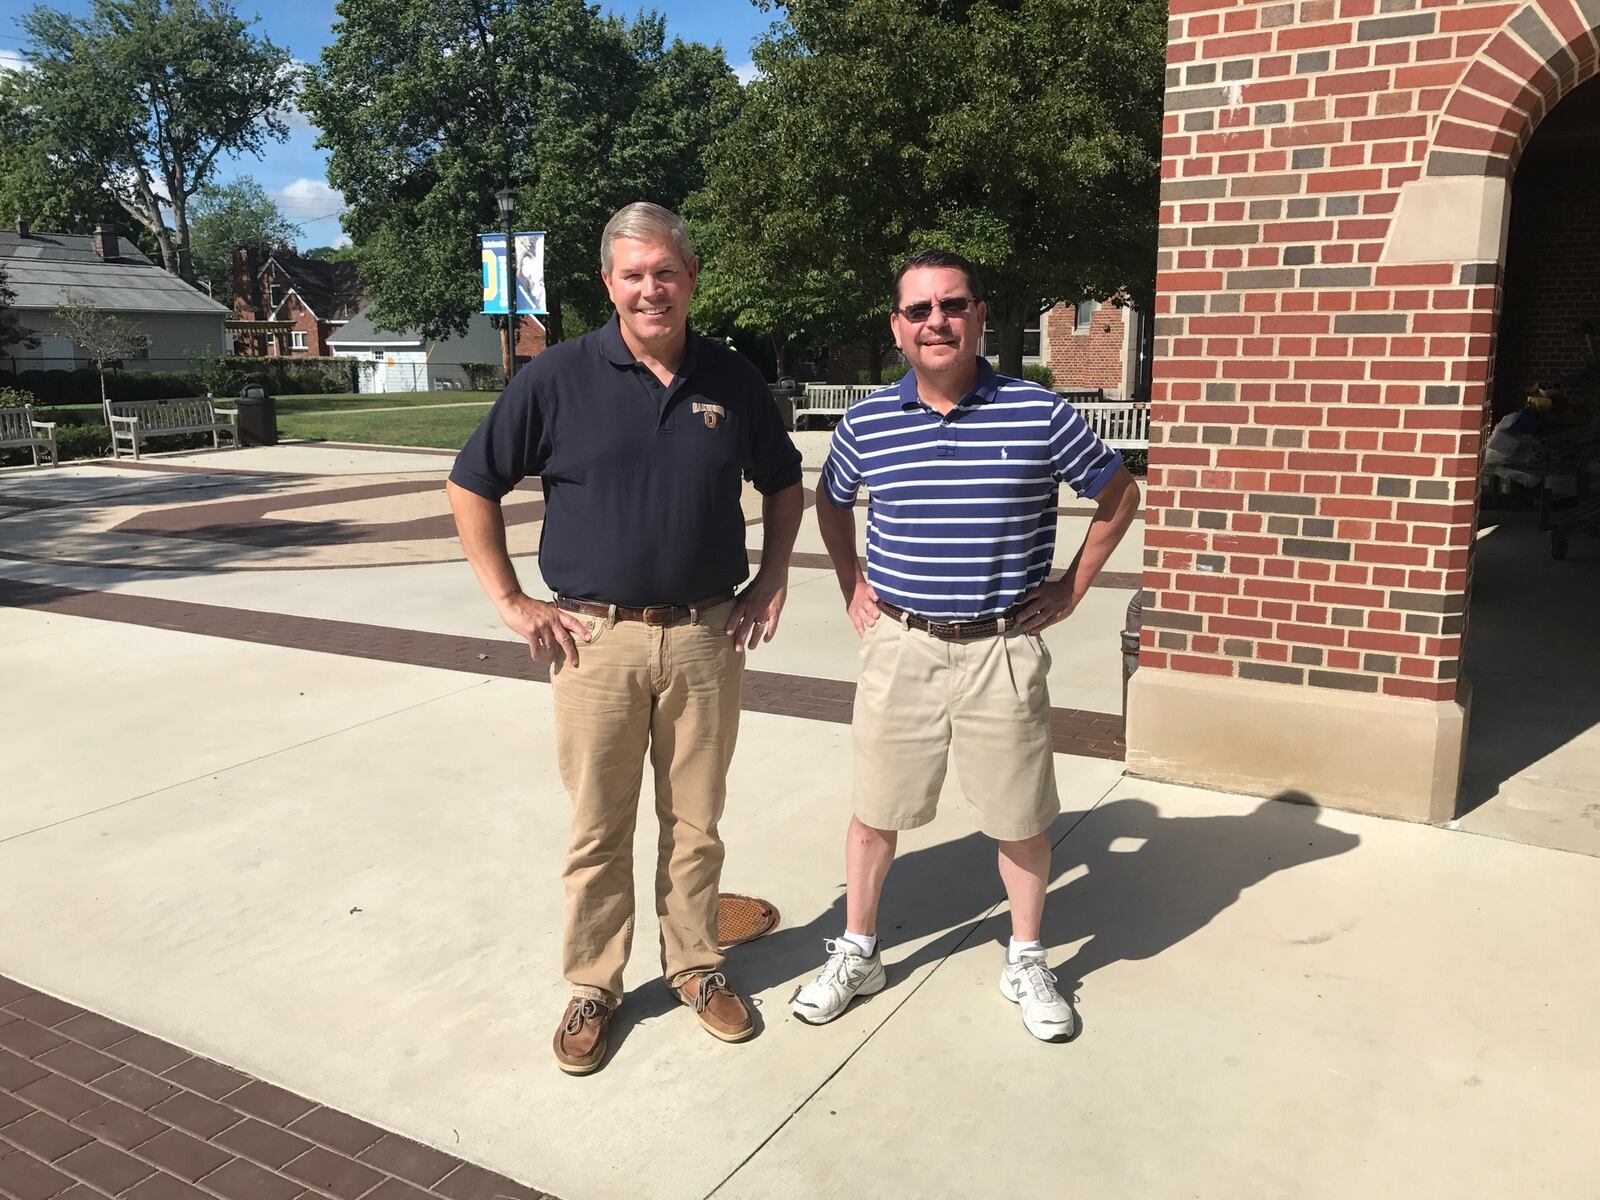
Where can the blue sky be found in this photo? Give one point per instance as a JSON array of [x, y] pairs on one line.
[[295, 173]]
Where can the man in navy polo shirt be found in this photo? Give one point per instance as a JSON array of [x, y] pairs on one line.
[[642, 434], [963, 467]]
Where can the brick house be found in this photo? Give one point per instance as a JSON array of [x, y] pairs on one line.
[[1338, 178], [1094, 345], [285, 304]]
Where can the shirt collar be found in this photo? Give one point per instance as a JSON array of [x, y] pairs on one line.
[[616, 350], [984, 388]]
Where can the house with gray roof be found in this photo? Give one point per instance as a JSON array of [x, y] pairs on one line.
[[110, 273]]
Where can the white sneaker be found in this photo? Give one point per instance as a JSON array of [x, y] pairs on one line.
[[1032, 984], [847, 974]]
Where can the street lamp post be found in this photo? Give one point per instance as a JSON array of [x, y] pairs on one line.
[[507, 200]]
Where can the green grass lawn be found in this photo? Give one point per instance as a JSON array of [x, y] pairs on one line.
[[444, 428], [347, 402]]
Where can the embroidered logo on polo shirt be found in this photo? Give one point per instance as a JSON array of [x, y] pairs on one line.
[[710, 413]]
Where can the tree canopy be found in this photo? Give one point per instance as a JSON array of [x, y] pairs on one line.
[[1024, 134], [35, 181], [12, 331], [428, 107], [230, 215], [143, 97]]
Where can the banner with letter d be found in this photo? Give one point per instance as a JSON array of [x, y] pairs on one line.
[[529, 269]]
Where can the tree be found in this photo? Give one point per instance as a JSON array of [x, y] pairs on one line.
[[145, 96], [229, 216], [332, 253], [12, 331], [107, 337], [36, 181], [1022, 133], [430, 106]]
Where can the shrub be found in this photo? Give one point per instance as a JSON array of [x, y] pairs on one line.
[[1040, 374], [83, 441], [481, 377], [1137, 461], [17, 398], [223, 375]]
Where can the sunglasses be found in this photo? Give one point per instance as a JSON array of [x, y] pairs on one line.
[[950, 306]]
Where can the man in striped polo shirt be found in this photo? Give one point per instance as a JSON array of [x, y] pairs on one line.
[[963, 467]]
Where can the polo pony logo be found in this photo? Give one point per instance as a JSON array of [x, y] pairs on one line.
[[710, 412]]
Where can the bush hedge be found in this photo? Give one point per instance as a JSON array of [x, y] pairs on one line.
[[219, 375]]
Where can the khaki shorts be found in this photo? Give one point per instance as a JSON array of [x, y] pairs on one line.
[[985, 700]]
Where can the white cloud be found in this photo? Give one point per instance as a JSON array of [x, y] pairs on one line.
[[290, 112], [748, 73], [343, 240], [308, 198], [12, 60]]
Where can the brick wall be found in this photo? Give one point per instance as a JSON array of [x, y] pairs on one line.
[[1093, 358], [1319, 400]]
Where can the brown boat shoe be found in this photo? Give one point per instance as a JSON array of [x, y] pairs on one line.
[[720, 1009], [580, 1042]]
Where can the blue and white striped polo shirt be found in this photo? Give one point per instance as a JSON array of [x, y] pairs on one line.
[[962, 516]]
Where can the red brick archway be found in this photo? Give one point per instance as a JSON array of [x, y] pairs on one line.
[[1335, 184]]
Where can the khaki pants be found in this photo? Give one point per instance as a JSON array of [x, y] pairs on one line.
[[673, 690]]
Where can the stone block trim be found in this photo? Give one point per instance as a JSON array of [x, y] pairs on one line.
[[1318, 412], [91, 1109]]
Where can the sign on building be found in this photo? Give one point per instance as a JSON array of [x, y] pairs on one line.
[[530, 273]]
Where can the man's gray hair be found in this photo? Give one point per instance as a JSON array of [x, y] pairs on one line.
[[647, 222]]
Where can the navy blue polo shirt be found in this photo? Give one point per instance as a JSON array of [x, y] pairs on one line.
[[642, 482]]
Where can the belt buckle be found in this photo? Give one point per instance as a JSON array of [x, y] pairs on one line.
[[657, 614]]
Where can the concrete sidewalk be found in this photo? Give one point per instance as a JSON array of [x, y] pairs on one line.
[[338, 873]]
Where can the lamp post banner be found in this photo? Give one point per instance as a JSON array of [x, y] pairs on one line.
[[530, 273]]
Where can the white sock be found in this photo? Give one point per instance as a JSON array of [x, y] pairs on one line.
[[1015, 949], [865, 942]]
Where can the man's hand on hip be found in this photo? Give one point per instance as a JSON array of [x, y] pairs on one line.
[[755, 614], [551, 632], [862, 605], [1050, 603]]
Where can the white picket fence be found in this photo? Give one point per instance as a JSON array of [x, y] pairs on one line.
[[1121, 425]]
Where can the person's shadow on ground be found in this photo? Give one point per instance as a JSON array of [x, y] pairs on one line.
[[1146, 883]]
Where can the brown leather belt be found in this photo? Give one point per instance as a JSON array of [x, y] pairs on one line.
[[651, 614], [951, 631]]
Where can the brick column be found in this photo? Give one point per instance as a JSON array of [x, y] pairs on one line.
[[1335, 185]]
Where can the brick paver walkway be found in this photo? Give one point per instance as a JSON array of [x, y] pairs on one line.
[[91, 1109]]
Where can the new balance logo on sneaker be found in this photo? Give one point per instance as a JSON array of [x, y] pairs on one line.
[[847, 974], [1029, 982]]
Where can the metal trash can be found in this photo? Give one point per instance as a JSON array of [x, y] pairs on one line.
[[783, 393], [258, 416]]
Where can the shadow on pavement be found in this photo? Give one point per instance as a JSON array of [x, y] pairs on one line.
[[1143, 882]]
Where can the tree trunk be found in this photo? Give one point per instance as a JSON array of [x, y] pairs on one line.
[[877, 350], [552, 329], [780, 353], [1009, 319], [182, 255]]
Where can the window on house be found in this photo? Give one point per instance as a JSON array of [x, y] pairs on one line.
[[297, 339], [377, 356], [1030, 340], [276, 294], [1084, 315]]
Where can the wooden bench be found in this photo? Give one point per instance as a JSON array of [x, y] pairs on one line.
[[134, 422], [18, 428]]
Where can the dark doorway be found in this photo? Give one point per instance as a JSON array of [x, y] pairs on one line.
[[1532, 769]]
